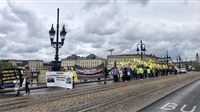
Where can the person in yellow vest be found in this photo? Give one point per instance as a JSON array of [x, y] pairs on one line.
[[75, 77], [148, 72], [137, 73], [141, 72]]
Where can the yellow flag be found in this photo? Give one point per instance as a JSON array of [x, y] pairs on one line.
[[176, 68], [75, 79], [100, 62], [123, 64], [113, 63]]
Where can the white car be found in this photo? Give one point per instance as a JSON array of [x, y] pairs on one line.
[[183, 70]]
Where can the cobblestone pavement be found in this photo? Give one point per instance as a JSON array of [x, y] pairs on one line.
[[116, 97]]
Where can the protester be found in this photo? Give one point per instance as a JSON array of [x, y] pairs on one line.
[[129, 73], [17, 86], [145, 72], [115, 74], [141, 73], [121, 71], [75, 77], [125, 76], [26, 76], [137, 73], [148, 72]]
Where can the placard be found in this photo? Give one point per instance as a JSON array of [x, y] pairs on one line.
[[8, 76], [59, 79]]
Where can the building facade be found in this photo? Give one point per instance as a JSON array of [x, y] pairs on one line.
[[88, 61], [35, 65]]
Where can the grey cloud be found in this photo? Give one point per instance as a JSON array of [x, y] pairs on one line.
[[77, 37], [24, 33], [7, 27], [106, 22], [104, 25], [98, 44], [100, 3], [20, 48], [6, 15], [33, 24], [2, 42], [9, 21], [95, 4], [69, 16], [142, 2], [158, 38]]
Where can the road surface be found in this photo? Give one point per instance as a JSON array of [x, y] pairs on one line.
[[186, 99]]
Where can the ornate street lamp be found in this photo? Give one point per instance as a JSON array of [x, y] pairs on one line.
[[141, 45], [57, 44], [179, 60], [167, 58]]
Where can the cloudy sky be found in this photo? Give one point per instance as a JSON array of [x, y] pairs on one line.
[[93, 26]]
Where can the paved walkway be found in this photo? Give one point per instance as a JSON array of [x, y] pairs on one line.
[[31, 86], [119, 97]]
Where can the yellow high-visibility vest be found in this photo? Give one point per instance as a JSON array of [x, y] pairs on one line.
[[138, 71], [148, 71], [141, 70], [75, 79]]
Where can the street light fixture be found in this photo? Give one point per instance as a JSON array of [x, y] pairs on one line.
[[167, 59], [179, 60], [56, 64], [141, 45]]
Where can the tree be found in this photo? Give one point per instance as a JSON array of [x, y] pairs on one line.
[[6, 65]]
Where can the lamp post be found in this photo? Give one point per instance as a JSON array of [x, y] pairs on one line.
[[167, 59], [142, 49], [179, 60], [57, 44]]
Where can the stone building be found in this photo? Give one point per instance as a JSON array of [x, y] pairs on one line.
[[88, 61], [35, 65]]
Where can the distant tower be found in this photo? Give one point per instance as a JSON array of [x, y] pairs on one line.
[[197, 57]]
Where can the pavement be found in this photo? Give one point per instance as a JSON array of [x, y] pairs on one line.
[[43, 85], [31, 86], [117, 96]]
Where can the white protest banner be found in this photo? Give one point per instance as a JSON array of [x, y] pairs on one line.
[[59, 79]]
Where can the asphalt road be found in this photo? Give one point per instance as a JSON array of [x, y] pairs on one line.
[[186, 99], [50, 89]]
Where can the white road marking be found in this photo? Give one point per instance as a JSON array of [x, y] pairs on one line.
[[193, 109], [169, 106]]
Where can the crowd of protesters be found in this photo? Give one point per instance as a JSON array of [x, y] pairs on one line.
[[140, 72]]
